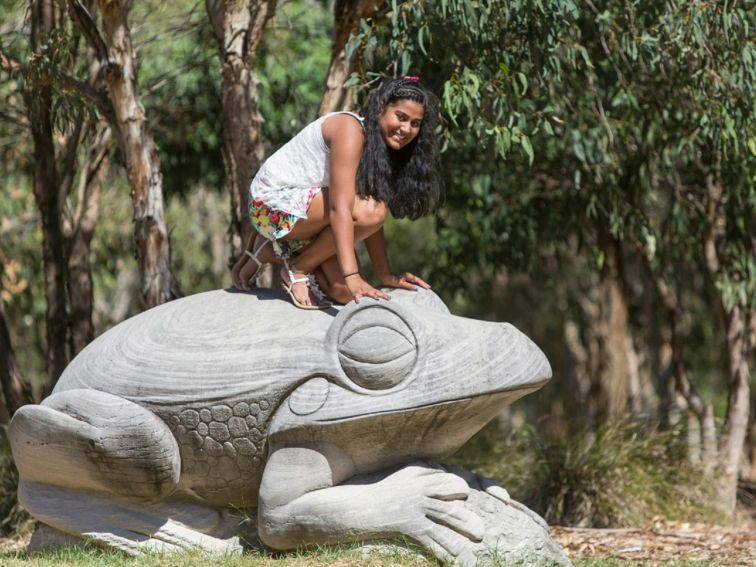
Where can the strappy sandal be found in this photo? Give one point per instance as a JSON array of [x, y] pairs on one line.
[[312, 283], [312, 286], [253, 256]]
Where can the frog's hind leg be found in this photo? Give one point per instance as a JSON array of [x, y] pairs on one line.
[[90, 440], [130, 526], [95, 465]]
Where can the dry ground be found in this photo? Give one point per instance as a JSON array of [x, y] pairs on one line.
[[664, 542]]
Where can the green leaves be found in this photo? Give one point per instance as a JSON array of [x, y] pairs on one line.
[[527, 147], [478, 55], [608, 117]]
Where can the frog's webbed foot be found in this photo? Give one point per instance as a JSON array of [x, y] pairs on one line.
[[491, 486], [428, 504], [298, 505], [98, 466], [457, 515]]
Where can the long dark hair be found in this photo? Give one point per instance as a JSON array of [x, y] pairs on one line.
[[405, 179]]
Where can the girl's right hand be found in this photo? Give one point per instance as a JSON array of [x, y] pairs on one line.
[[359, 288]]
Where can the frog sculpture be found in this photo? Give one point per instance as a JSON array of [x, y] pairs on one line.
[[325, 426]]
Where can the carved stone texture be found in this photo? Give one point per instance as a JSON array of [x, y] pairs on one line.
[[312, 421]]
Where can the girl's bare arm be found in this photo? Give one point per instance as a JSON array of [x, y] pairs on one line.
[[345, 138], [376, 247]]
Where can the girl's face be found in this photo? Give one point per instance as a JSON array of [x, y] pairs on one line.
[[400, 122]]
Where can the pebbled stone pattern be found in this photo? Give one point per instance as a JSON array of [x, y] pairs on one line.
[[222, 445]]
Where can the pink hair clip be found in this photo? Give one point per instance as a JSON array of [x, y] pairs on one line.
[[414, 78]]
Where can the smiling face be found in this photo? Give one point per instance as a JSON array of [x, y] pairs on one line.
[[400, 122]]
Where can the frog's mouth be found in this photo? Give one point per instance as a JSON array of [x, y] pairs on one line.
[[396, 434], [502, 398]]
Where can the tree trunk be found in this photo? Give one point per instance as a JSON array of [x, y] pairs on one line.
[[346, 21], [609, 373], [701, 435], [577, 382], [15, 391], [38, 99], [738, 340], [238, 27], [82, 226], [738, 402], [638, 392], [151, 235], [749, 467]]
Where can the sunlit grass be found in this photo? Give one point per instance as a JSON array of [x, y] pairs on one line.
[[337, 556], [332, 556]]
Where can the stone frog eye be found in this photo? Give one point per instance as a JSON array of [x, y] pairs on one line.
[[375, 345]]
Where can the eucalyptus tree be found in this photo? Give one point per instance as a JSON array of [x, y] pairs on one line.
[[120, 103], [347, 15], [501, 69], [627, 127], [38, 101], [238, 29], [105, 79], [66, 191], [77, 72]]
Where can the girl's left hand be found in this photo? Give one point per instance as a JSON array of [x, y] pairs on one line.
[[404, 280]]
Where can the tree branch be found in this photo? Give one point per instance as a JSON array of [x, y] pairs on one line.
[[68, 165], [69, 84], [82, 17], [64, 83], [260, 13], [215, 14]]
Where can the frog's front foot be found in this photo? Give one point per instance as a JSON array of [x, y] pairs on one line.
[[487, 527], [420, 501], [458, 516], [493, 488], [427, 505]]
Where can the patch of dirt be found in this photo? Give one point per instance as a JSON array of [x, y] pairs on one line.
[[664, 542]]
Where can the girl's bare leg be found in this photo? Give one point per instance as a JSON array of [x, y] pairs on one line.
[[245, 266], [332, 282], [317, 219], [368, 216], [240, 264]]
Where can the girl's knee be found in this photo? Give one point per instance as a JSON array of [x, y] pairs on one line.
[[369, 212]]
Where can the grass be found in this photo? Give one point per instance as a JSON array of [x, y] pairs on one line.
[[326, 556], [93, 557], [618, 563]]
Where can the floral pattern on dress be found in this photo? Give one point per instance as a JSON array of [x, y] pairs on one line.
[[274, 224]]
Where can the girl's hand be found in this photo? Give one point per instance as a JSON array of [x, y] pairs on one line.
[[404, 280], [359, 288]]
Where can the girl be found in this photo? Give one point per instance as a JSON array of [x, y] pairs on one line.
[[330, 186]]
